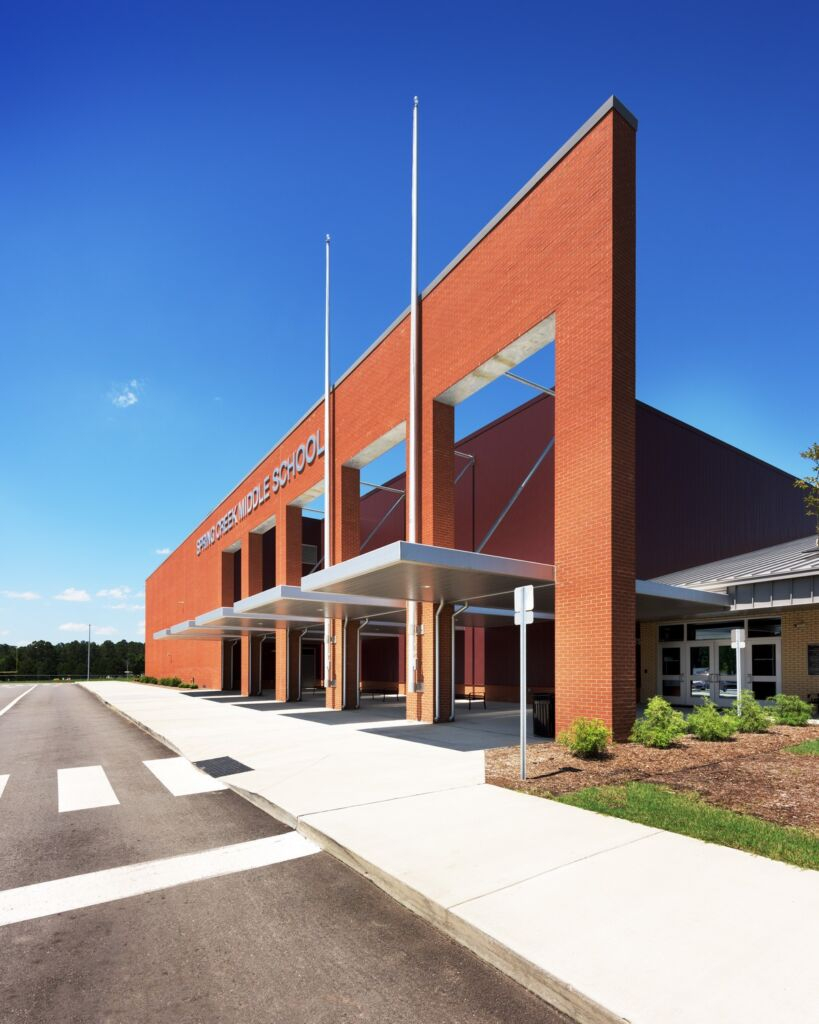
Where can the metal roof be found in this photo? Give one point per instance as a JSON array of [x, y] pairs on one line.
[[793, 558]]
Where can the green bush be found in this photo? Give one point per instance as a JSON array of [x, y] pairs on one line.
[[586, 737], [707, 722], [791, 710], [751, 716], [150, 679], [660, 725]]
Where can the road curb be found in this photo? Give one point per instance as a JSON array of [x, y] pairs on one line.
[[559, 994]]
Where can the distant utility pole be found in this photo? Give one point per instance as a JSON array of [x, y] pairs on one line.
[[88, 663]]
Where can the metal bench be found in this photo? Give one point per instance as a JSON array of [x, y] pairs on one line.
[[472, 696]]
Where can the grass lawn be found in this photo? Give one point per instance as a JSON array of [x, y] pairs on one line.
[[808, 747], [686, 813]]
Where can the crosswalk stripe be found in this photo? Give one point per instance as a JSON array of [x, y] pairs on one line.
[[181, 778], [79, 789], [11, 703], [3, 780], [63, 894]]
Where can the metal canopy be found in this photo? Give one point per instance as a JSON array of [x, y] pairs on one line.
[[661, 601], [295, 601], [422, 572]]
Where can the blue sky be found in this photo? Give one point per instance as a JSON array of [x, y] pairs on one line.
[[169, 172]]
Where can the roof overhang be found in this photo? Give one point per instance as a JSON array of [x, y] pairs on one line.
[[661, 600], [282, 601], [402, 571]]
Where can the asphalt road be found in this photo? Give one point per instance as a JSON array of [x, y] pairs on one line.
[[305, 940]]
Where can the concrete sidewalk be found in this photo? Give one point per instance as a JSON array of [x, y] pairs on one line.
[[606, 919]]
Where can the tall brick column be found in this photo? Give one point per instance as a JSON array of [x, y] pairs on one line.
[[251, 583], [594, 459], [288, 571], [346, 544], [437, 526]]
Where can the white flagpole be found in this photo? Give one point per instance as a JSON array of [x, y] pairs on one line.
[[328, 459], [412, 445]]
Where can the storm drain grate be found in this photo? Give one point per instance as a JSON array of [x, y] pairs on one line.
[[216, 767]]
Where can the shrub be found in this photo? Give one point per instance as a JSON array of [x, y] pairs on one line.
[[660, 725], [791, 710], [707, 722], [150, 679], [750, 715], [586, 737]]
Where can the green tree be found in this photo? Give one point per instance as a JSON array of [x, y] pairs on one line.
[[810, 484]]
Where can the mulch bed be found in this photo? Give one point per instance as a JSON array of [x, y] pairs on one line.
[[750, 773]]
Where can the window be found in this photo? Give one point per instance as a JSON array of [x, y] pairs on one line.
[[713, 630], [764, 627], [669, 634], [309, 554], [671, 661]]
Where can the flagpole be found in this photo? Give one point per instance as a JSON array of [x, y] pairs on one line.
[[328, 461], [412, 442]]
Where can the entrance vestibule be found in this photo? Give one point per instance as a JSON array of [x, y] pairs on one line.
[[697, 661]]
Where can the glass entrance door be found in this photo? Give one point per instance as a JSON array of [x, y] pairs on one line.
[[712, 672], [762, 667]]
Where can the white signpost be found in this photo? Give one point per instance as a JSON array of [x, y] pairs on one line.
[[738, 643], [524, 614]]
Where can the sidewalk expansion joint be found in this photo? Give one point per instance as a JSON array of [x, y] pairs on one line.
[[557, 867], [389, 800]]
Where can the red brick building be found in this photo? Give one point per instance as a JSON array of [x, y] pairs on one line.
[[610, 497]]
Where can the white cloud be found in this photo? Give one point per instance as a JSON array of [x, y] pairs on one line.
[[5, 632], [105, 631], [126, 395], [118, 593], [125, 607], [141, 628], [72, 594], [74, 627], [21, 595], [163, 551]]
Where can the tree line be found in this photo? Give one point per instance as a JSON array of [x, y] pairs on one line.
[[42, 658]]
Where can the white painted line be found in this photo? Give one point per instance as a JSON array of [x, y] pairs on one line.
[[79, 789], [45, 898], [11, 703], [182, 778], [3, 780]]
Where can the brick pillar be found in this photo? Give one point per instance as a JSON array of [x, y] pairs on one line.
[[346, 544], [437, 526], [288, 656], [251, 583], [288, 571], [594, 466]]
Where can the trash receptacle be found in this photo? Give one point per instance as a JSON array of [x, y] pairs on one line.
[[543, 714]]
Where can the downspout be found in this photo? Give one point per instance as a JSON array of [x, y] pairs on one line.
[[362, 624], [438, 611], [344, 666], [455, 614], [301, 637], [264, 636]]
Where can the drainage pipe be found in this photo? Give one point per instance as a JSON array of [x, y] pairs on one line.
[[343, 646], [438, 611], [361, 624], [455, 615]]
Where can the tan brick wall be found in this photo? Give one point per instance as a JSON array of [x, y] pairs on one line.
[[800, 627]]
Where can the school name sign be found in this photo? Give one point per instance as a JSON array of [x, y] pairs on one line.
[[271, 483]]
